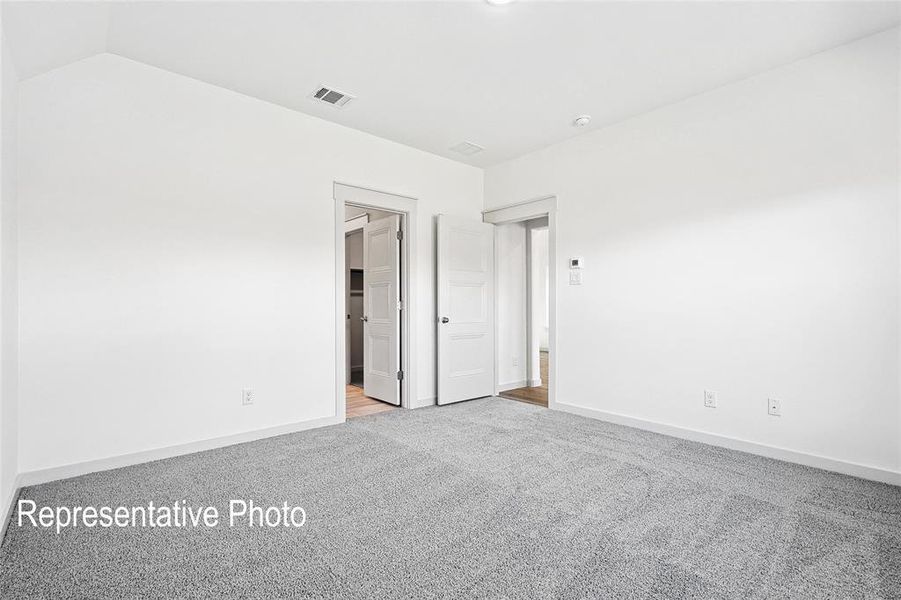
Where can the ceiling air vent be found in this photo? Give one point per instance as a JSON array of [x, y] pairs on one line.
[[467, 148], [333, 97]]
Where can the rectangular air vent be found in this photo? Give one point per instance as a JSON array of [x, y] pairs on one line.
[[467, 148], [333, 97]]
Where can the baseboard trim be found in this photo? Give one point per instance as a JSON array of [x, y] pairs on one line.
[[423, 402], [7, 508], [114, 462], [512, 385], [535, 382], [784, 454]]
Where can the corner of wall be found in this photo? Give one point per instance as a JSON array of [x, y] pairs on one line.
[[9, 414], [897, 210]]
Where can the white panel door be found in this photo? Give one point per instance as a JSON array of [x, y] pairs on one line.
[[465, 309], [381, 309]]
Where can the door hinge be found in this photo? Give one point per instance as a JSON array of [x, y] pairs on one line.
[[400, 305], [400, 375], [400, 234]]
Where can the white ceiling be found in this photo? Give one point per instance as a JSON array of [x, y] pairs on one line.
[[432, 74]]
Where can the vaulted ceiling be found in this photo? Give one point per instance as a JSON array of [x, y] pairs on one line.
[[509, 78]]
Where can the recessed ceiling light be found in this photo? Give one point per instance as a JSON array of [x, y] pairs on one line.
[[498, 2], [582, 121]]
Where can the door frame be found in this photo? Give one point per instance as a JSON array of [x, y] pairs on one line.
[[517, 213], [344, 194]]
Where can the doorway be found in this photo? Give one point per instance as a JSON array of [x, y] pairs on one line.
[[373, 349], [374, 300], [532, 297], [526, 301], [373, 319]]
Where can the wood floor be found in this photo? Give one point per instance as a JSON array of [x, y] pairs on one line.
[[532, 395], [359, 405]]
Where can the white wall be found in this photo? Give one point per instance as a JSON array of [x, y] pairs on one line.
[[8, 283], [540, 255], [745, 241], [538, 249], [510, 245], [176, 245]]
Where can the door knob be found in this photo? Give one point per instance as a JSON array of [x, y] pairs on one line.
[[445, 320], [365, 319]]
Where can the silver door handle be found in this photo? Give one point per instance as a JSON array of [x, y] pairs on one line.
[[445, 320], [364, 319]]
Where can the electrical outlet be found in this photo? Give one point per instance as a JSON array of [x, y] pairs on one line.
[[246, 396], [709, 399], [575, 277], [774, 407]]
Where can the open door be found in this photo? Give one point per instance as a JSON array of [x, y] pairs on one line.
[[465, 309], [381, 310]]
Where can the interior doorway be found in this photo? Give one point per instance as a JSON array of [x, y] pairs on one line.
[[534, 297], [395, 278], [525, 300], [523, 310], [373, 305]]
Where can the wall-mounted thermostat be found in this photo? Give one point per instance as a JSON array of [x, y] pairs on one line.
[[576, 262]]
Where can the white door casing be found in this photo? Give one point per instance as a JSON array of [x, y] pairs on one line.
[[381, 309], [465, 277]]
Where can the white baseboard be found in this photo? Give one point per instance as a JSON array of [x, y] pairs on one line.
[[114, 462], [6, 509], [423, 402], [784, 454], [535, 382], [512, 385]]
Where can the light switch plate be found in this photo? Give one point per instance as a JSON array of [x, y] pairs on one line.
[[575, 277]]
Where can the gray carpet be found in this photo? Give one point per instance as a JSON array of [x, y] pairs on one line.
[[485, 499]]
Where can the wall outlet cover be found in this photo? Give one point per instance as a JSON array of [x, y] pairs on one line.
[[709, 399], [774, 407], [246, 396]]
